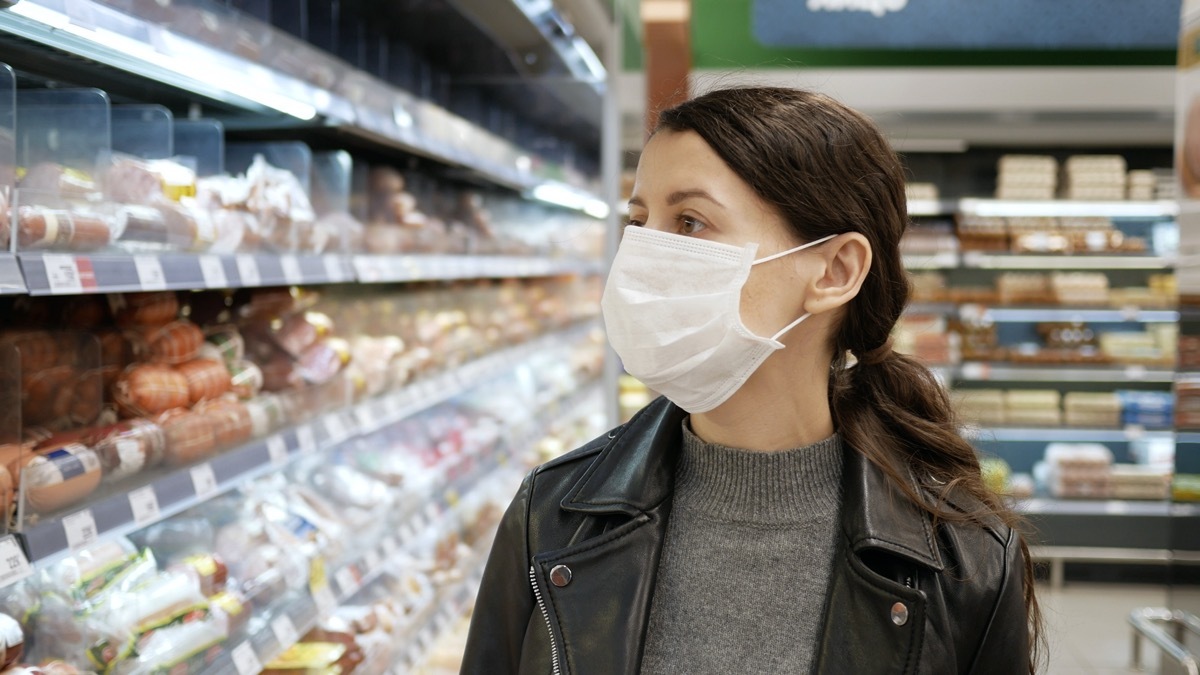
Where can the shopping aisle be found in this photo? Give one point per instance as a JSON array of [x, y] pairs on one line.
[[1087, 627]]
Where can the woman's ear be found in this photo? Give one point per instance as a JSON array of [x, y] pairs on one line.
[[846, 261]]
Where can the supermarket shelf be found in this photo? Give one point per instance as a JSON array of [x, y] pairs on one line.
[[1067, 434], [1002, 372], [930, 261], [932, 207], [1034, 314], [1093, 507], [399, 268], [1067, 208], [11, 279], [181, 489], [1011, 261]]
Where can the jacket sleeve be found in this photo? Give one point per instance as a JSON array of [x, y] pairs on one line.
[[1005, 647], [505, 601]]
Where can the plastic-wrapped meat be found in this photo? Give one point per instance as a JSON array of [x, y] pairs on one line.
[[280, 202], [131, 181], [42, 228], [206, 379], [145, 309], [231, 421], [128, 447], [176, 342], [149, 389], [169, 225], [190, 436], [5, 220], [59, 180]]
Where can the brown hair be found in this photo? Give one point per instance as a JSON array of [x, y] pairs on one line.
[[829, 170]]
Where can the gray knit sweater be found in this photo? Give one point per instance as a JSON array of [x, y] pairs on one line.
[[745, 565]]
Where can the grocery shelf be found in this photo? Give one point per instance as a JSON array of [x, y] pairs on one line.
[[399, 268], [930, 261], [177, 490], [1093, 507], [1067, 434], [1016, 261], [1036, 314], [11, 280], [1003, 372], [1068, 208], [932, 207]]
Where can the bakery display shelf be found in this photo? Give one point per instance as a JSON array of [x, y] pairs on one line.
[[931, 261], [177, 490], [72, 274], [401, 268], [1063, 208], [353, 101], [12, 282], [1069, 314], [1068, 434], [1004, 372], [1018, 261]]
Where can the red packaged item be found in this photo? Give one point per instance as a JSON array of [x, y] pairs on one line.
[[190, 436], [231, 421], [174, 343], [129, 447], [145, 309], [206, 379], [43, 228], [150, 389]]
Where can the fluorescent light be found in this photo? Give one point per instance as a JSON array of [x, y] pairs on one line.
[[568, 197], [40, 14], [596, 208], [589, 59]]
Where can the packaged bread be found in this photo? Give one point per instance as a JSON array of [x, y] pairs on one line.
[[190, 436], [230, 419], [149, 389], [174, 343], [129, 447], [60, 476], [60, 229], [205, 379], [145, 309]]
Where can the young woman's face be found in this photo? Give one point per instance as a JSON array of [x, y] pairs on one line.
[[683, 187]]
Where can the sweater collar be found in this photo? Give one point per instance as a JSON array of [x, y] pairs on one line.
[[634, 473]]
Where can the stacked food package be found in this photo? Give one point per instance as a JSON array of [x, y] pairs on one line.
[[1052, 408], [1027, 177], [1097, 177], [1045, 234], [1079, 470]]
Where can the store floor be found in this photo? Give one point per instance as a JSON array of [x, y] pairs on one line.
[[1088, 629]]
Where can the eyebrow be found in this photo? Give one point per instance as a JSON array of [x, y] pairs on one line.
[[679, 196]]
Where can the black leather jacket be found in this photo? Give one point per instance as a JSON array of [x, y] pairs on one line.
[[903, 597]]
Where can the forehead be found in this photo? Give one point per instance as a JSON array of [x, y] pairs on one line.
[[675, 160]]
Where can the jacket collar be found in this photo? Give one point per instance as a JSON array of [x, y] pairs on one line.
[[634, 473]]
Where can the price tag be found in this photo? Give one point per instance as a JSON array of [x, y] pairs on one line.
[[325, 600], [291, 269], [1116, 508], [335, 428], [347, 581], [245, 660], [277, 449], [62, 273], [150, 273], [1134, 432], [975, 371], [1130, 312], [144, 504], [1136, 372], [81, 529], [204, 480], [373, 560], [285, 631], [14, 566], [365, 418], [333, 268], [213, 271], [305, 439], [248, 270]]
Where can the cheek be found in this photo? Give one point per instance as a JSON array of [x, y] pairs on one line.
[[768, 303]]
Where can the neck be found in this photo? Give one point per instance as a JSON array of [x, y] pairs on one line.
[[784, 405]]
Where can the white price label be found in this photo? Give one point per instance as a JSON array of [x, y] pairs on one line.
[[291, 269], [285, 631], [248, 270], [150, 273], [144, 504], [14, 566], [1135, 372], [347, 581], [245, 660], [326, 603], [81, 529], [277, 449], [373, 560], [62, 273], [1134, 432], [306, 439], [1116, 508], [365, 418], [213, 271], [335, 428], [204, 480], [333, 268]]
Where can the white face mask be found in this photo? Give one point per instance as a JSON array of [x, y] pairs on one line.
[[671, 309]]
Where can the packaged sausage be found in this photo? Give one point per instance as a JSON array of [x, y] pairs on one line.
[[228, 343], [168, 225], [230, 420], [48, 396], [12, 641], [301, 331], [267, 414], [190, 436], [246, 379], [8, 493], [57, 179], [174, 343], [149, 389], [320, 362], [54, 478], [205, 379], [115, 355], [211, 571], [129, 447], [60, 229], [145, 309]]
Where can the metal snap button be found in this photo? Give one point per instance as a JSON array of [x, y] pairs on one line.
[[560, 575], [899, 614]]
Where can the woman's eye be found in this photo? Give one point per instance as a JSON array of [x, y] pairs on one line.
[[690, 225], [633, 222]]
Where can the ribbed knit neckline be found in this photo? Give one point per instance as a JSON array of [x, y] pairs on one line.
[[762, 488]]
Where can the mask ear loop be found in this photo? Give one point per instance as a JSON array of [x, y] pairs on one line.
[[792, 250], [797, 322]]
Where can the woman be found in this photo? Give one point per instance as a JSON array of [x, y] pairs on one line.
[[778, 510]]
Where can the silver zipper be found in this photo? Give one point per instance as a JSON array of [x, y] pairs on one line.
[[537, 593]]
